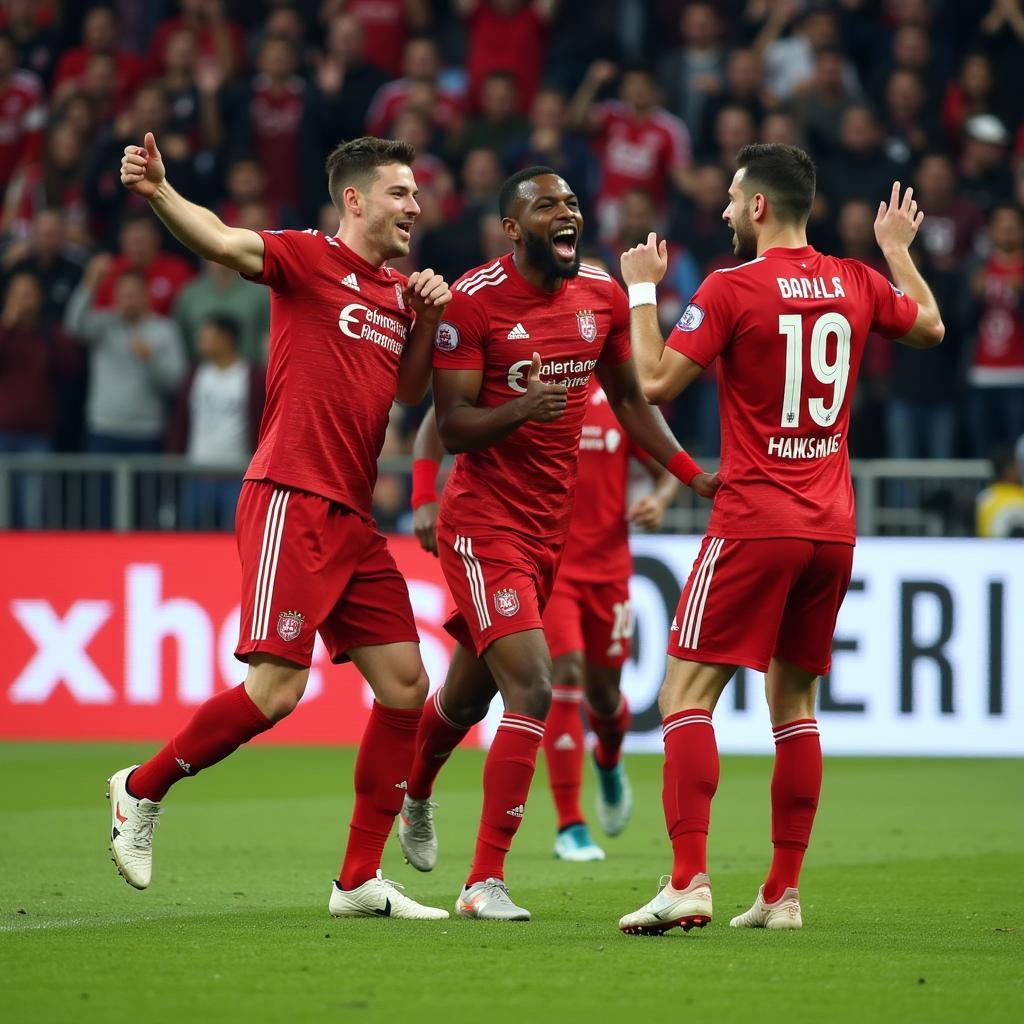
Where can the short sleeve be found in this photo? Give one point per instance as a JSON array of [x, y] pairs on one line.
[[617, 348], [895, 312], [288, 258], [460, 336], [705, 328]]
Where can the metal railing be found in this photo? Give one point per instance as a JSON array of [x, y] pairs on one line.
[[157, 492]]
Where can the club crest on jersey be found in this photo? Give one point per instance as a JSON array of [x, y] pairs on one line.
[[289, 625], [506, 602], [399, 297], [586, 321], [447, 337], [692, 318]]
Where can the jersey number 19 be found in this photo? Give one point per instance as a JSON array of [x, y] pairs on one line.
[[836, 373]]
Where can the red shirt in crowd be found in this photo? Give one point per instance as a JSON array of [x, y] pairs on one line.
[[998, 359], [384, 31], [274, 119], [130, 71], [206, 39], [506, 42], [165, 276], [22, 118]]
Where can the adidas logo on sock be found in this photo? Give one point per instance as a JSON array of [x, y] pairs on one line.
[[349, 281], [402, 785], [518, 333], [184, 766], [565, 742], [517, 812]]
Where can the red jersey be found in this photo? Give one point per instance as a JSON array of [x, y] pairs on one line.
[[207, 42], [789, 329], [338, 327], [165, 276], [130, 71], [274, 119], [494, 323], [639, 152], [998, 359], [513, 43], [391, 99], [384, 32], [597, 548], [22, 117]]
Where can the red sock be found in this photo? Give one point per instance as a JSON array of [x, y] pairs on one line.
[[796, 786], [563, 748], [691, 778], [382, 765], [436, 738], [219, 727], [508, 772], [610, 733]]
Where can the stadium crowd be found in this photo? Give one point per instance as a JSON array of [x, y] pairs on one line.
[[113, 340]]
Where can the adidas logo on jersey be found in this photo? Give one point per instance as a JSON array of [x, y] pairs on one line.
[[565, 742], [518, 333], [675, 625], [517, 812], [349, 281]]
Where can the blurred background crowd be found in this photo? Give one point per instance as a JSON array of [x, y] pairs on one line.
[[115, 340]]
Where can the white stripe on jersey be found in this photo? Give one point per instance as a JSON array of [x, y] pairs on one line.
[[484, 284], [464, 547], [689, 635], [485, 272], [273, 530], [586, 270]]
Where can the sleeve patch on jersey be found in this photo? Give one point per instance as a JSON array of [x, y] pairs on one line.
[[447, 337], [896, 290], [692, 318]]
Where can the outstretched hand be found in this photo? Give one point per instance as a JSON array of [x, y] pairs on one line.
[[142, 168], [897, 222], [647, 261]]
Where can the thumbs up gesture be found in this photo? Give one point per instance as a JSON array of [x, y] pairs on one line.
[[543, 402], [142, 168]]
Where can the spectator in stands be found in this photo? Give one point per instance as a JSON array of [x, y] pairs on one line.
[[734, 128], [912, 51], [386, 25], [820, 108], [218, 292], [99, 36], [985, 176], [509, 36], [192, 87], [421, 65], [910, 129], [999, 508], [140, 253], [336, 103], [38, 44], [137, 362], [744, 87], [499, 122], [246, 182], [953, 222], [781, 127], [860, 169], [971, 93], [639, 143], [694, 72], [216, 36], [216, 423], [45, 255], [698, 219], [22, 112], [995, 401], [32, 357], [437, 196]]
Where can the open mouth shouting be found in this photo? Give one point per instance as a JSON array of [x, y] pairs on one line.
[[563, 242]]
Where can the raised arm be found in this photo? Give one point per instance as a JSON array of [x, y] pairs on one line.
[[579, 113], [663, 372], [198, 229], [465, 427], [895, 229]]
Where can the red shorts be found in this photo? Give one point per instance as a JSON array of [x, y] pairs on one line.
[[747, 601], [310, 565], [500, 584], [591, 617]]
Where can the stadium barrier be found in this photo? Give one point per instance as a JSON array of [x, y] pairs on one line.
[[119, 637]]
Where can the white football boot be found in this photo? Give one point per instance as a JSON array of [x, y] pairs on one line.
[[377, 897], [489, 901], [576, 844], [672, 908], [782, 915], [416, 833], [131, 830], [614, 799]]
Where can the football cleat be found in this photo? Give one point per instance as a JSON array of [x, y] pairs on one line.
[[416, 833], [575, 843], [131, 830], [782, 915], [489, 901], [672, 908], [614, 799], [377, 897]]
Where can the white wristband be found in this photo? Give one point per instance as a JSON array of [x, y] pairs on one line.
[[643, 294]]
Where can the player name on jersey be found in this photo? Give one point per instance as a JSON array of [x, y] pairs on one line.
[[810, 288], [805, 447]]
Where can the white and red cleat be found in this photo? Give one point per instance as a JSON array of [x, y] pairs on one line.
[[782, 915], [672, 908]]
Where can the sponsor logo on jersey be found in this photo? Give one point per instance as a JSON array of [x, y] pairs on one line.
[[612, 440], [570, 373], [586, 321], [518, 333], [506, 602], [349, 281], [289, 625], [362, 323], [446, 338], [692, 318]]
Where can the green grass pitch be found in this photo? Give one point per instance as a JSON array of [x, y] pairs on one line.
[[912, 897]]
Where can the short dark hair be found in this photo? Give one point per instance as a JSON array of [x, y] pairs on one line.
[[509, 192], [785, 174], [227, 325], [355, 162]]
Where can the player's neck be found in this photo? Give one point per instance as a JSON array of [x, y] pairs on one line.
[[782, 237], [535, 276], [361, 246]]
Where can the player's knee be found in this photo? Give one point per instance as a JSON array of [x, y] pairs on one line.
[[603, 698], [282, 701], [568, 671], [416, 687], [533, 695]]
